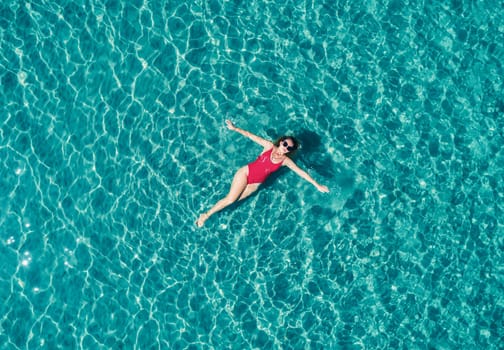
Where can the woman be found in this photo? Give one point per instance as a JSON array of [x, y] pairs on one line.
[[248, 178]]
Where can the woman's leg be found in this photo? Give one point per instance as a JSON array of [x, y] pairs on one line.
[[237, 186], [248, 191]]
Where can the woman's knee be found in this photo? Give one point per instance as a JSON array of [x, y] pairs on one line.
[[230, 199], [227, 203]]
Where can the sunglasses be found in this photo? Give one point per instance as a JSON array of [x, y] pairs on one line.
[[289, 148]]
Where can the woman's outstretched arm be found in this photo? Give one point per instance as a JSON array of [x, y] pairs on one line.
[[291, 165], [255, 138]]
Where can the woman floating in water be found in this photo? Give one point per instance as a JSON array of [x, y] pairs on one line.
[[248, 178]]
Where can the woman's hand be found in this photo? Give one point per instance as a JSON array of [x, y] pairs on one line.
[[323, 188], [230, 125]]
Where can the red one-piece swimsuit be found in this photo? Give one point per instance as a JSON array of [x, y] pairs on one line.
[[261, 168]]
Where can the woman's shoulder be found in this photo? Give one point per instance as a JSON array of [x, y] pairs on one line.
[[288, 162], [268, 146]]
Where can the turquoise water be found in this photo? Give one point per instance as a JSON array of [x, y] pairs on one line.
[[113, 140]]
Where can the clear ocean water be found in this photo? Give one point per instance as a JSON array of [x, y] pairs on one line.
[[113, 140]]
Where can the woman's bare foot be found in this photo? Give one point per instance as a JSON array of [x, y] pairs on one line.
[[201, 220]]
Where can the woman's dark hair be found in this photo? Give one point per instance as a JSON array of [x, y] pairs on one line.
[[294, 141]]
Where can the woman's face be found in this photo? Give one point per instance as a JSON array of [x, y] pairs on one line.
[[286, 146]]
